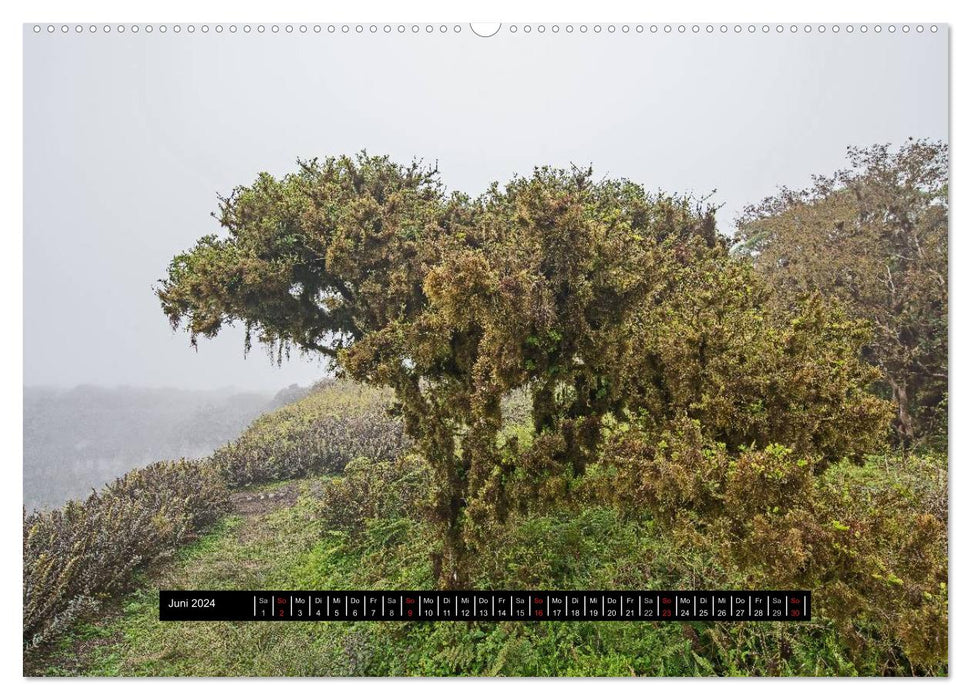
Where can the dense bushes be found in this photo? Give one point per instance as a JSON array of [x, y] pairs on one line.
[[368, 490], [718, 356], [317, 435], [78, 555], [869, 540], [873, 236], [669, 510], [597, 297]]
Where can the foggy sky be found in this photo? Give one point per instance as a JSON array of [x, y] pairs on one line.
[[128, 139]]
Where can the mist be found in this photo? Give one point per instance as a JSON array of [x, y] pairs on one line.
[[129, 139]]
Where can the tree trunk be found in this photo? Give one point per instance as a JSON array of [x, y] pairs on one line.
[[905, 422], [454, 572], [449, 562]]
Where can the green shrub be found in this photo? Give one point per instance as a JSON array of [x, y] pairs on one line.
[[369, 490], [79, 555], [869, 540], [320, 434]]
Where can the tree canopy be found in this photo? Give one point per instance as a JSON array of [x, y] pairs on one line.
[[874, 237], [607, 304]]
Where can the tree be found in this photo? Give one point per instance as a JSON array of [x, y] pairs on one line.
[[555, 284], [874, 237]]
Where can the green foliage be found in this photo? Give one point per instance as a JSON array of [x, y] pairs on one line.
[[596, 394], [367, 490], [77, 556], [872, 547], [594, 298], [319, 434], [873, 236], [385, 544], [716, 354]]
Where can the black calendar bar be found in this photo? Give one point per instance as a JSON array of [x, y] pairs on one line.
[[486, 606]]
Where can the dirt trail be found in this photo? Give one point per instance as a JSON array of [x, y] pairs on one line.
[[251, 503], [72, 658]]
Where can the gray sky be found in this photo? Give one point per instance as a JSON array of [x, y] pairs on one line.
[[128, 138]]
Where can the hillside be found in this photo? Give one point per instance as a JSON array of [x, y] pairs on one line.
[[272, 540], [315, 516], [77, 439]]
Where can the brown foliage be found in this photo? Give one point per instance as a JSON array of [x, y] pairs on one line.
[[872, 547], [875, 237], [599, 300], [79, 555], [320, 434]]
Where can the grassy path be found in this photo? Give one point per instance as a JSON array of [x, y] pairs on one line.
[[273, 541], [269, 542]]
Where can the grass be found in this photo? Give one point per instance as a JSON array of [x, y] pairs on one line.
[[279, 537], [283, 548], [257, 551]]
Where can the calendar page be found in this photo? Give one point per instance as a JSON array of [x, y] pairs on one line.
[[425, 348]]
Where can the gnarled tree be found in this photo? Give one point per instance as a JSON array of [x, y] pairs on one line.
[[873, 236], [594, 297]]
